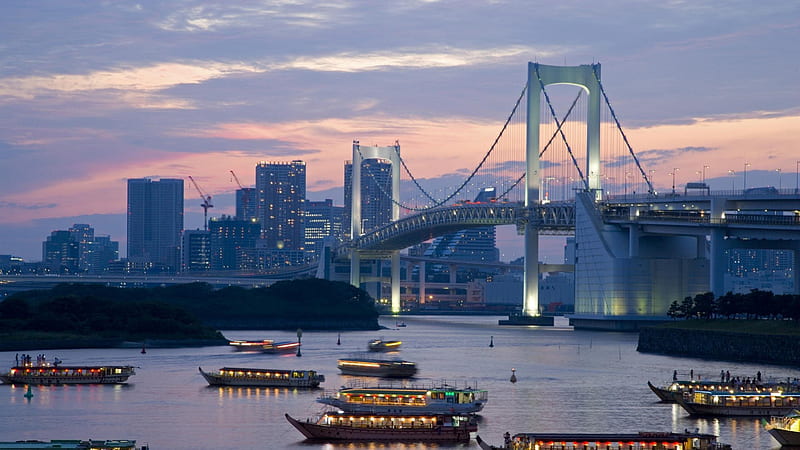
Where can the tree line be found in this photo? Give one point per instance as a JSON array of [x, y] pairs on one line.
[[756, 304], [184, 310]]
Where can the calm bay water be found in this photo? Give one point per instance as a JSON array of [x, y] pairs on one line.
[[568, 381]]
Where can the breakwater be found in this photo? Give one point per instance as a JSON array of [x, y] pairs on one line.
[[720, 345]]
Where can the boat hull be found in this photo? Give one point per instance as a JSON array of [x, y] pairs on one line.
[[699, 409], [382, 372], [342, 433], [664, 395], [215, 379], [785, 437]]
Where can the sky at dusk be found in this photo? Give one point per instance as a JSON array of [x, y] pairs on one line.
[[93, 93]]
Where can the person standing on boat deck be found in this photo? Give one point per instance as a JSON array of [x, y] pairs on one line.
[[758, 376], [674, 375], [728, 376], [691, 374], [721, 376]]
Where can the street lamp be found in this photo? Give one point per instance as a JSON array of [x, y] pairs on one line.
[[746, 164], [674, 171], [653, 182], [732, 173], [797, 178], [704, 174]]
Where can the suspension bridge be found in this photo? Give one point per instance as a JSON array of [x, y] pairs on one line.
[[562, 164]]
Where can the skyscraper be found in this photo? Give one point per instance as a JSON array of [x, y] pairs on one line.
[[281, 195], [155, 223]]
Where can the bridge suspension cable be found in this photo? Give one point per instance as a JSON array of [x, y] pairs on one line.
[[624, 137], [466, 181]]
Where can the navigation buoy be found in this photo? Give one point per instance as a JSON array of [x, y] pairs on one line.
[[339, 339], [28, 394], [491, 341], [143, 350], [513, 375]]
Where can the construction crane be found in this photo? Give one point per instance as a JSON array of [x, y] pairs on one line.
[[206, 202], [245, 196]]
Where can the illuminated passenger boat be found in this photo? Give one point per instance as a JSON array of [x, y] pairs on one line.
[[615, 441], [402, 400], [390, 368], [718, 403], [785, 429], [70, 444], [233, 376], [372, 427], [379, 345], [265, 346], [48, 374], [679, 388]]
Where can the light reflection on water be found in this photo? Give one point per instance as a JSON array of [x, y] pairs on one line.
[[568, 381]]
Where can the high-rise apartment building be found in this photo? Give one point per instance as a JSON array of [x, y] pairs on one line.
[[376, 191], [196, 251], [155, 223], [323, 220], [281, 195], [229, 238], [60, 252]]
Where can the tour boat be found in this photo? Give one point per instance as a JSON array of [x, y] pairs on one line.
[[745, 403], [265, 346], [644, 440], [785, 429], [375, 367], [233, 376], [406, 400], [48, 374], [379, 345], [679, 388], [372, 427], [73, 444]]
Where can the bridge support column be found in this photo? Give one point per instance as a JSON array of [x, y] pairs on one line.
[[795, 246], [355, 268], [395, 281], [530, 300], [633, 241], [718, 261], [422, 280]]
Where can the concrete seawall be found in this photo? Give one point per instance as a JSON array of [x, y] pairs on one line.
[[720, 345]]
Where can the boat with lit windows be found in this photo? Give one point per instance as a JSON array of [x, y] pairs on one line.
[[235, 376], [73, 444], [727, 403], [377, 367], [265, 346], [785, 429], [394, 427], [50, 374], [643, 440], [405, 400], [678, 388], [379, 345]]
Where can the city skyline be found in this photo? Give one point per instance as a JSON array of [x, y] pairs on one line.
[[190, 88]]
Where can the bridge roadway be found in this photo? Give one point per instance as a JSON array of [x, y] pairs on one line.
[[773, 216]]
